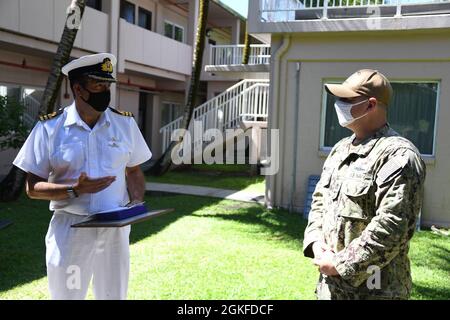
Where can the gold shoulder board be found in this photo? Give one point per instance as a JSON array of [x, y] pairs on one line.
[[122, 113], [51, 115]]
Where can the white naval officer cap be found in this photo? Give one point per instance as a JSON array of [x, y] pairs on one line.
[[98, 66]]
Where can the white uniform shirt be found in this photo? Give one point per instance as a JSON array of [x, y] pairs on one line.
[[61, 148]]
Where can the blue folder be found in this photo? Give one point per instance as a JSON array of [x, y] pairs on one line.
[[125, 213]]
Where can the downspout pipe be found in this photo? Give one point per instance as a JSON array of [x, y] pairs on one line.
[[295, 125], [273, 118]]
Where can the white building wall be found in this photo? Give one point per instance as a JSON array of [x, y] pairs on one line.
[[45, 20]]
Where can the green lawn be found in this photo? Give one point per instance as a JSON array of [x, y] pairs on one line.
[[207, 249], [233, 177]]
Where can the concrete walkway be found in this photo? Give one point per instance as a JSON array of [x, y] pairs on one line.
[[244, 196]]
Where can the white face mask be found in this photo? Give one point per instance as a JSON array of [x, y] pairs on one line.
[[343, 110]]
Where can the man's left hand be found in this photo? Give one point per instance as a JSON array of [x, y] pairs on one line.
[[325, 264]]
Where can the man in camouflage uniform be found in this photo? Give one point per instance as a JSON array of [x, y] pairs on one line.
[[366, 203]]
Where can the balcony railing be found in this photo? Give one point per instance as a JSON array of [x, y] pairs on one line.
[[292, 10], [221, 55]]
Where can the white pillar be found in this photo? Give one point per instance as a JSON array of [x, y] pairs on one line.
[[156, 125], [236, 31]]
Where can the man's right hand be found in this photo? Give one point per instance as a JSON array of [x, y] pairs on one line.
[[92, 185]]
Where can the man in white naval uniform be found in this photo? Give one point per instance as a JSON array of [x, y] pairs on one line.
[[85, 158]]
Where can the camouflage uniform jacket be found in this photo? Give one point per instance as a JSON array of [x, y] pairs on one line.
[[365, 207]]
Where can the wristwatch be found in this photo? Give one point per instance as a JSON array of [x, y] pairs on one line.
[[72, 193]]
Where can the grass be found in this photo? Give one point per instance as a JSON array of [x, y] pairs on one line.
[[207, 249], [233, 177], [430, 264]]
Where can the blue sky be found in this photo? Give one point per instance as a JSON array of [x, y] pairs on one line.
[[240, 6]]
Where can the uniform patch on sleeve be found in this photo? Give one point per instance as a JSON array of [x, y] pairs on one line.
[[391, 168]]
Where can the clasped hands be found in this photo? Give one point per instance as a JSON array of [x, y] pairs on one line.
[[323, 258]]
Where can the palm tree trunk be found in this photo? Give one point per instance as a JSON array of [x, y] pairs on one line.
[[246, 54], [12, 185], [62, 56], [165, 161]]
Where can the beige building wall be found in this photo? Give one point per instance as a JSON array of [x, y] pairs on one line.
[[16, 72], [220, 37], [400, 56], [129, 101], [217, 87], [149, 5], [165, 14]]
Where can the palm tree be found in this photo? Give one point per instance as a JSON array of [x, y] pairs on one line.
[[11, 186], [246, 53], [62, 56], [165, 161]]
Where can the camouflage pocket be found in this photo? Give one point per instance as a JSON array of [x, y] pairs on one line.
[[354, 200]]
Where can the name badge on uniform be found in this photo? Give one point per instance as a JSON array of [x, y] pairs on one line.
[[112, 142]]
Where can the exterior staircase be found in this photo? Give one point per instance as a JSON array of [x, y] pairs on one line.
[[240, 105], [31, 113]]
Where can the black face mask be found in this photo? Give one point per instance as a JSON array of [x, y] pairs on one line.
[[98, 100]]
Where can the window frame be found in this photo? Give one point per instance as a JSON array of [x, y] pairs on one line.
[[13, 85], [22, 87], [172, 105], [173, 30], [98, 5], [326, 149], [149, 13], [134, 11]]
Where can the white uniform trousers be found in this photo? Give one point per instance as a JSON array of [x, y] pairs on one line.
[[75, 255]]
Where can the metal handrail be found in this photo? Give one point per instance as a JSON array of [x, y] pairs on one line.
[[284, 10], [224, 111], [220, 55]]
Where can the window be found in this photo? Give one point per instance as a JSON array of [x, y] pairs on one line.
[[412, 114], [170, 112], [142, 118], [127, 11], [145, 19], [173, 31], [168, 30], [179, 33], [95, 4], [29, 97]]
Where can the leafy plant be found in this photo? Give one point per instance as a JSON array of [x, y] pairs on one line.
[[13, 130]]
